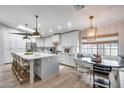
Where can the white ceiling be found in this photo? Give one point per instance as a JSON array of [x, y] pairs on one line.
[[50, 16]]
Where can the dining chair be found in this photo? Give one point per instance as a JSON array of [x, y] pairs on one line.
[[83, 71], [101, 76]]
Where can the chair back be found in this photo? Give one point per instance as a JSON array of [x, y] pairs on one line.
[[78, 63], [101, 70]]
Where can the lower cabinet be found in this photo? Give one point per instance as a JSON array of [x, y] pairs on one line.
[[1, 57], [66, 59]]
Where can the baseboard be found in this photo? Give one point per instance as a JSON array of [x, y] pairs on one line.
[[66, 65], [5, 64]]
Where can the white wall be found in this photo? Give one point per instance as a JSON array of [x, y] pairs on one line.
[[115, 28]]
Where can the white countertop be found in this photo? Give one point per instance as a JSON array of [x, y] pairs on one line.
[[35, 55], [106, 62]]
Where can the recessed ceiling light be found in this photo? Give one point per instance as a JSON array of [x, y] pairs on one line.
[[39, 25], [50, 30], [59, 27], [69, 24], [24, 28]]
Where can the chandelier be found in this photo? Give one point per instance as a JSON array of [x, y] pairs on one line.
[[91, 31]]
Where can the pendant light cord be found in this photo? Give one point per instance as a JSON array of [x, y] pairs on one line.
[[91, 17], [36, 22], [26, 29], [90, 23]]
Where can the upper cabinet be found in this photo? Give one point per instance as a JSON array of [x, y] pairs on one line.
[[48, 42], [56, 38], [66, 39], [40, 42], [70, 39]]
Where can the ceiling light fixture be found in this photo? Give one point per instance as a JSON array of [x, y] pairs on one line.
[[50, 30], [39, 25], [26, 36], [91, 31], [36, 33], [69, 24], [59, 27]]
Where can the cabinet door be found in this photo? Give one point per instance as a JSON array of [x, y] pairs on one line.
[[1, 56], [71, 61], [7, 56], [70, 39], [65, 59], [48, 42], [40, 42], [13, 44]]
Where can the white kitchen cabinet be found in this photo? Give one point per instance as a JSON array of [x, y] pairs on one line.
[[7, 56], [33, 39], [7, 53], [70, 39], [1, 57], [71, 61], [10, 43], [40, 42], [48, 42], [66, 59], [56, 39]]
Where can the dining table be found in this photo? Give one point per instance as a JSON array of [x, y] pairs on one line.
[[116, 66]]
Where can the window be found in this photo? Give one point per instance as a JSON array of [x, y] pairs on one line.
[[108, 50], [106, 46]]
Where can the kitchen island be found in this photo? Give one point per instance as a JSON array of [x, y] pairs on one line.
[[43, 65]]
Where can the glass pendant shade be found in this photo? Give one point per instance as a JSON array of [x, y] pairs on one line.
[[25, 37], [91, 31]]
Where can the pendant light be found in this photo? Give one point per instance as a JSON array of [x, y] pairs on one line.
[[91, 31], [26, 36], [36, 33]]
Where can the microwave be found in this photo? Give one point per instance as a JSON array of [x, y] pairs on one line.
[[67, 50]]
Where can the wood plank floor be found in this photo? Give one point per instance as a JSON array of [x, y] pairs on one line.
[[65, 79]]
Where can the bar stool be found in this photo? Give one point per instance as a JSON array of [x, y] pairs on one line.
[[82, 70], [24, 63]]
